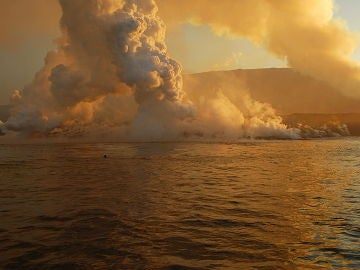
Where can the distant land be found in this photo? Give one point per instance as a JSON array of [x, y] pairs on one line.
[[351, 120], [299, 99], [287, 90]]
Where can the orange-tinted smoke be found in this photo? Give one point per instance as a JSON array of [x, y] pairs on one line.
[[303, 32]]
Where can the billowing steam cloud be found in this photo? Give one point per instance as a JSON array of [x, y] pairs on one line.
[[107, 48], [112, 76], [303, 32]]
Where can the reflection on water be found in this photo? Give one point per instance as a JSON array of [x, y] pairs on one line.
[[254, 205]]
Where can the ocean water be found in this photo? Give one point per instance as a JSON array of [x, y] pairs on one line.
[[249, 205]]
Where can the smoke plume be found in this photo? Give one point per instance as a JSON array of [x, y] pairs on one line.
[[302, 32], [111, 75], [107, 48]]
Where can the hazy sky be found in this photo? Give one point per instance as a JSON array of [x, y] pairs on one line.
[[21, 57]]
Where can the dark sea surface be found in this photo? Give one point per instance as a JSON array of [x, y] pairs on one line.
[[249, 205]]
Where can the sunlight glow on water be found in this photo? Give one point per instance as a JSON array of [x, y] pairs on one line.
[[252, 205]]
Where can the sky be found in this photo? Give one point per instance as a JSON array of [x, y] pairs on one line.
[[21, 58]]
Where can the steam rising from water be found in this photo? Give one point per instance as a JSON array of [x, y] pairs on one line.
[[111, 77], [108, 48]]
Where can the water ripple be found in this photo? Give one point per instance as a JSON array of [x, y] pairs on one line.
[[252, 205]]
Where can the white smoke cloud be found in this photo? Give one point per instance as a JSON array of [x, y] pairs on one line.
[[111, 76]]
